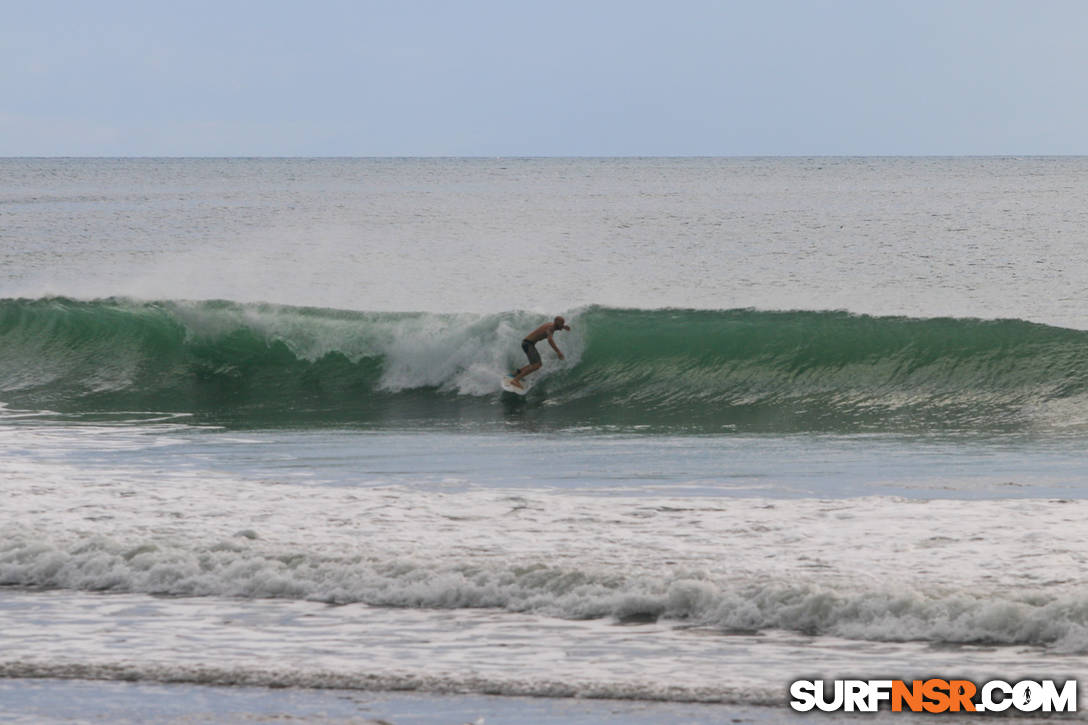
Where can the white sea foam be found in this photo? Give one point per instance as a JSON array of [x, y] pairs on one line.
[[278, 643], [940, 571], [308, 677], [881, 611]]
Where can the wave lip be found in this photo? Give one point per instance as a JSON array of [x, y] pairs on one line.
[[698, 370]]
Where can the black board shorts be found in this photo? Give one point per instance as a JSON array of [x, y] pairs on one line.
[[530, 350]]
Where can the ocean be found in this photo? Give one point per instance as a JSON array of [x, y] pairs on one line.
[[817, 418]]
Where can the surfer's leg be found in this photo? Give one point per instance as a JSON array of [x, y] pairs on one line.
[[534, 361], [526, 371]]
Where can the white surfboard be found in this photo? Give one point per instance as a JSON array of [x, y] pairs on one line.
[[507, 384]]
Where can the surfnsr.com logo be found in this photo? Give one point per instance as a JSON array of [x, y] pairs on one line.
[[934, 695]]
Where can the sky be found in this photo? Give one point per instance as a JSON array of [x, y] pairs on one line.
[[555, 78]]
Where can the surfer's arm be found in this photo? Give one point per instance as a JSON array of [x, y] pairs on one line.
[[554, 346]]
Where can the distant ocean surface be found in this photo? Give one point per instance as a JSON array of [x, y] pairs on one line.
[[817, 417]]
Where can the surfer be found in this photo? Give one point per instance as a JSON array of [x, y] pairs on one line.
[[529, 346]]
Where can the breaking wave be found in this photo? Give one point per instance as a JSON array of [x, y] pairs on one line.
[[698, 370], [242, 567]]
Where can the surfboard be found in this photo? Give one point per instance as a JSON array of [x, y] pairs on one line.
[[507, 384]]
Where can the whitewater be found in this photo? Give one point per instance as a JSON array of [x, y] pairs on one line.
[[817, 418]]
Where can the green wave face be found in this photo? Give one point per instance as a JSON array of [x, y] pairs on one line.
[[834, 371], [681, 370]]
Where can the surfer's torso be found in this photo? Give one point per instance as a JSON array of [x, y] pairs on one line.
[[540, 333]]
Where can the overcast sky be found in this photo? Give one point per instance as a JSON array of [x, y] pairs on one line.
[[544, 78]]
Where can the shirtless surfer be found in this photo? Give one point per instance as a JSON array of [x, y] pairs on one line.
[[529, 346]]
